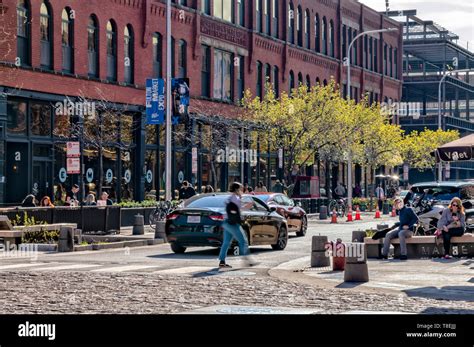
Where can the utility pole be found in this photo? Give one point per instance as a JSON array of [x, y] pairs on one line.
[[168, 183]]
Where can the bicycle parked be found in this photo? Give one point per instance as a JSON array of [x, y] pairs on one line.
[[162, 209], [340, 205]]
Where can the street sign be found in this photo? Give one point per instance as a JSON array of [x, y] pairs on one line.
[[127, 176], [194, 160], [62, 175], [181, 177], [73, 166], [155, 101], [109, 176], [180, 93], [280, 158], [73, 149], [90, 175], [149, 176]]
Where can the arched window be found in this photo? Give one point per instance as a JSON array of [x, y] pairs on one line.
[[331, 38], [317, 34], [46, 37], [158, 55], [276, 81], [23, 14], [111, 50], [299, 26], [93, 46], [325, 82], [182, 60], [324, 36], [308, 82], [292, 80], [268, 75], [275, 16], [318, 82], [291, 23], [300, 79], [67, 38], [259, 79], [307, 29], [128, 49]]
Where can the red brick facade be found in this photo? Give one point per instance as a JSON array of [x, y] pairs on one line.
[[148, 16]]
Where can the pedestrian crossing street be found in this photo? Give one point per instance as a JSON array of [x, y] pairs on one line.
[[107, 268]]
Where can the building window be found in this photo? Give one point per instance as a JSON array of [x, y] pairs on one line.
[[390, 59], [395, 57], [344, 41], [46, 29], [376, 60], [371, 53], [385, 65], [307, 29], [241, 12], [355, 50], [366, 49], [206, 71], [292, 81], [317, 34], [276, 81], [224, 9], [111, 51], [173, 56], [240, 78], [222, 75], [299, 26], [129, 64], [308, 82], [182, 64], [93, 46], [40, 120], [300, 79], [259, 80], [158, 55], [23, 32], [258, 13], [266, 11], [206, 6], [291, 23], [318, 81], [17, 118], [331, 38], [324, 35], [275, 16], [67, 34], [268, 75]]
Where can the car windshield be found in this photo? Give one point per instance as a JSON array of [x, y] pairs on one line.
[[209, 201], [442, 194], [264, 198]]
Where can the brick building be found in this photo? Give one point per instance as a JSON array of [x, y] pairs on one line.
[[103, 51]]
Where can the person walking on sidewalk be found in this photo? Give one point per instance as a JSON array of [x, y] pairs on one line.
[[408, 219], [233, 229]]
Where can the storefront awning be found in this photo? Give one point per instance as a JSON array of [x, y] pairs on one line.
[[458, 150]]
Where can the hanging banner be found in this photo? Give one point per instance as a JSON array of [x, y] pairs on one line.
[[155, 101], [195, 160], [280, 158], [180, 96]]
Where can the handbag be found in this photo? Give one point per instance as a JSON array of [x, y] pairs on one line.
[[233, 214]]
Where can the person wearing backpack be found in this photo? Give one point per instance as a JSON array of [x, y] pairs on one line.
[[233, 229]]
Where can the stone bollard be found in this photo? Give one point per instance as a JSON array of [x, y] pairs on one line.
[[358, 236], [356, 269], [318, 252], [66, 239], [160, 231], [139, 225], [323, 212]]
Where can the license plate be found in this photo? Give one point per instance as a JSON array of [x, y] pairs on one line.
[[194, 219]]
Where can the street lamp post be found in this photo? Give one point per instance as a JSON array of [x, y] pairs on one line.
[[348, 64], [168, 185], [440, 121]]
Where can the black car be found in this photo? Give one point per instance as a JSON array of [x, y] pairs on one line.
[[199, 223]]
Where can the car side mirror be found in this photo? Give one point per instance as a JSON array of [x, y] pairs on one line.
[[273, 209]]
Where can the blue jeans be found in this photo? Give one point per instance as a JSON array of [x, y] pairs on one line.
[[233, 231]]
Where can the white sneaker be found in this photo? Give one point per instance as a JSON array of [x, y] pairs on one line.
[[250, 262]]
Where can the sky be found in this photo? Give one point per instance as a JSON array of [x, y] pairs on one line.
[[455, 15]]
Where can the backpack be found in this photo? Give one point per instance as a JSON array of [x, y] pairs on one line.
[[233, 213]]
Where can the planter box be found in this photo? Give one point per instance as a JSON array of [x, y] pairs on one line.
[[108, 245], [41, 247], [137, 243], [128, 215], [83, 248]]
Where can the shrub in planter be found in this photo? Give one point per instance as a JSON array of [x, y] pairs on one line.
[[41, 236]]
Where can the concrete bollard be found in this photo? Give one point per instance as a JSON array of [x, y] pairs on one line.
[[66, 239], [318, 252], [160, 231], [139, 225], [358, 236], [323, 212], [356, 269]]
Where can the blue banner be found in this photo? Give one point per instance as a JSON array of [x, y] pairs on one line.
[[180, 92], [155, 101]]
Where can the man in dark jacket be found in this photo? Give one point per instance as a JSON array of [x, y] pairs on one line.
[[408, 219], [186, 191]]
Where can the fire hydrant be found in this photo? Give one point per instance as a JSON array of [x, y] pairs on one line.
[[338, 255]]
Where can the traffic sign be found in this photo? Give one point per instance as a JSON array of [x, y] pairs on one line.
[[73, 166], [127, 176], [62, 175], [90, 175], [149, 176], [109, 176], [73, 149]]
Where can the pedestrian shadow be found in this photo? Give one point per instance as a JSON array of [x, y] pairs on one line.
[[456, 293], [349, 285], [446, 310], [208, 253], [208, 273], [447, 261]]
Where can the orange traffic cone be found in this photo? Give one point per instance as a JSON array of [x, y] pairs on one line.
[[334, 217], [377, 213], [349, 215], [394, 212], [358, 213]]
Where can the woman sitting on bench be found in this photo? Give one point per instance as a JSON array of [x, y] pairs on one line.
[[452, 223]]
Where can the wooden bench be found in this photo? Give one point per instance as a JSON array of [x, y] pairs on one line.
[[15, 234], [424, 246]]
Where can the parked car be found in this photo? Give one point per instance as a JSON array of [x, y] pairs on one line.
[[295, 215], [198, 223]]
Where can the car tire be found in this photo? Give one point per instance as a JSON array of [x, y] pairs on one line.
[[282, 239], [176, 248], [304, 227]]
